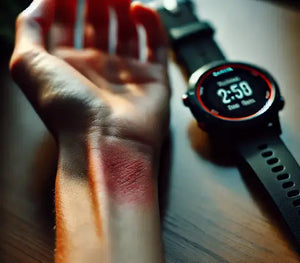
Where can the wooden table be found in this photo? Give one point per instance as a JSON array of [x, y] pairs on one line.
[[211, 212]]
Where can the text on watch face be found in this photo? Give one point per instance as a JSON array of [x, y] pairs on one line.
[[235, 92]]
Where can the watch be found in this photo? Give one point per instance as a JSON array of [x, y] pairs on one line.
[[239, 102]]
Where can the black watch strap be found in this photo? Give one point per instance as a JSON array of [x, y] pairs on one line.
[[191, 39], [279, 173]]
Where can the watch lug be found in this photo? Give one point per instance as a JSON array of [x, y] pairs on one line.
[[269, 128], [281, 103], [185, 100]]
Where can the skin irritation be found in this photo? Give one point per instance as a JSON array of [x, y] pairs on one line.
[[127, 174]]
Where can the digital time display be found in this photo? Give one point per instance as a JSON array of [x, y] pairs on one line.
[[234, 91]]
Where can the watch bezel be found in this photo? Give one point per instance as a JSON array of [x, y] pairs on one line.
[[202, 114]]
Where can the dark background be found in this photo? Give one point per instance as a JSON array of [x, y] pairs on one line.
[[9, 10]]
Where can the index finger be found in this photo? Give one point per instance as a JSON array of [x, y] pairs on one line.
[[157, 40]]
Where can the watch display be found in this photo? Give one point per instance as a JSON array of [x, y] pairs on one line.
[[235, 92]]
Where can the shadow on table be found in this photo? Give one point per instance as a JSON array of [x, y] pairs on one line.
[[218, 153], [24, 198], [43, 180], [165, 175], [266, 205]]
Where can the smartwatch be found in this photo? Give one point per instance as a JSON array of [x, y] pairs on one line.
[[237, 102]]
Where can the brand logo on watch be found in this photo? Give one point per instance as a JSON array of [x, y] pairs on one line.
[[222, 71]]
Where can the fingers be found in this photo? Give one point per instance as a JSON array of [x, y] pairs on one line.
[[65, 11], [34, 23], [70, 28], [156, 36], [127, 44], [31, 65], [116, 24], [98, 18], [115, 31], [62, 32]]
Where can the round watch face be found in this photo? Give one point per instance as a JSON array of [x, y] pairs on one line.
[[235, 92]]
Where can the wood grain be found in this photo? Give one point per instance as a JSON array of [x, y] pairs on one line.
[[211, 211]]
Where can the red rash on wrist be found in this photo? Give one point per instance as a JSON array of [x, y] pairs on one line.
[[127, 174]]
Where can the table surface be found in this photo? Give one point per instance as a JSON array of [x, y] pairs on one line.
[[211, 212]]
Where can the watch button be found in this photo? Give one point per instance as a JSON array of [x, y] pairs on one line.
[[185, 99], [281, 103]]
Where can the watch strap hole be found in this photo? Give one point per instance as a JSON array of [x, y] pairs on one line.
[[283, 176], [278, 168], [279, 172], [272, 161], [288, 184], [293, 193], [267, 154]]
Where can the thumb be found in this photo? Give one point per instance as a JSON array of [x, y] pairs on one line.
[[32, 26], [44, 78]]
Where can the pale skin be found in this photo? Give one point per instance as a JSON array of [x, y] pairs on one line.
[[109, 114]]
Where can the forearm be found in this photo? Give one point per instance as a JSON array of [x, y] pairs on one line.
[[106, 202]]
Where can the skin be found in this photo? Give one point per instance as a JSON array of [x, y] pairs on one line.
[[109, 114]]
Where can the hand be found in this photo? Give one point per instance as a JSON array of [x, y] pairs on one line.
[[89, 90], [108, 108]]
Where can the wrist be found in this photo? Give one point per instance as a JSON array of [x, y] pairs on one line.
[[109, 185], [128, 169], [125, 169]]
